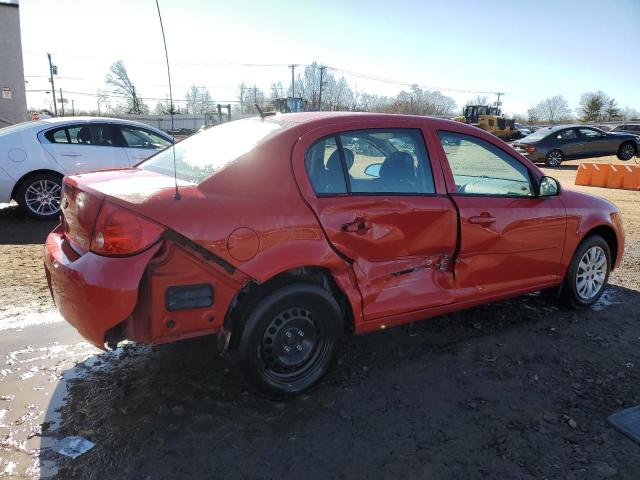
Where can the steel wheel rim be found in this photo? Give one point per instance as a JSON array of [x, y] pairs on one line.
[[43, 197], [292, 344], [555, 158], [592, 273], [627, 152]]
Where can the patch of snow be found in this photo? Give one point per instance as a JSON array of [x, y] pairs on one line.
[[30, 319]]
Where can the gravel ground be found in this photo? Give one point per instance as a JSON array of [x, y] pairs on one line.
[[518, 389]]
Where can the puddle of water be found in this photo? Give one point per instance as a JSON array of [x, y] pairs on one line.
[[607, 299], [33, 387]]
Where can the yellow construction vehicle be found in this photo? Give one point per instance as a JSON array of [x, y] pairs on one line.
[[491, 120]]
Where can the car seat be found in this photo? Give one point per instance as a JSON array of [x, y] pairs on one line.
[[84, 135], [397, 173]]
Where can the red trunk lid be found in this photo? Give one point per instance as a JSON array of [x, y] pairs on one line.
[[79, 211]]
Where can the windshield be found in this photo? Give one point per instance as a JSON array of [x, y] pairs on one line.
[[200, 155]]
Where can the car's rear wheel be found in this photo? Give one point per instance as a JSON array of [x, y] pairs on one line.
[[290, 339], [588, 273], [39, 196], [554, 158], [626, 151]]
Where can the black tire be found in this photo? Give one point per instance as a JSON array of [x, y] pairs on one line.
[[554, 158], [273, 355], [572, 295], [627, 151], [39, 196]]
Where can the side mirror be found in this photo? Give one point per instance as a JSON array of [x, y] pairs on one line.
[[373, 170], [549, 187]]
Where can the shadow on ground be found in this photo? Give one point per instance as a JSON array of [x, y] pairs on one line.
[[16, 228], [518, 389]]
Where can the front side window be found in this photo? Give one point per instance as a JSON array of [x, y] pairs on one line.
[[480, 168], [139, 138], [376, 161]]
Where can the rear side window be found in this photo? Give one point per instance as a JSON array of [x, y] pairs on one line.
[[324, 167], [376, 161], [104, 135], [58, 135], [569, 134], [480, 168]]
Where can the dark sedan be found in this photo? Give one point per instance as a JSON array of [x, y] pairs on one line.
[[553, 145]]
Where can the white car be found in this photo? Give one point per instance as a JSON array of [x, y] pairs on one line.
[[34, 156]]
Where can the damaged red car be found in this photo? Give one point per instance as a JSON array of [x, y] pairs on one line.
[[281, 234]]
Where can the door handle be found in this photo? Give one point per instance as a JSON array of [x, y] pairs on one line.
[[359, 226], [70, 154], [484, 220]]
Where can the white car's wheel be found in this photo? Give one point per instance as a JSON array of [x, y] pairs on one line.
[[39, 195]]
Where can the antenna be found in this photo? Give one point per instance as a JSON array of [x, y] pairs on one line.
[[176, 195]]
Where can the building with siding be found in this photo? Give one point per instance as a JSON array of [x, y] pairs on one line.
[[13, 101]]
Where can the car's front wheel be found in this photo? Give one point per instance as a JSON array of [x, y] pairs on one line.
[[626, 151], [290, 339], [588, 273], [39, 196], [554, 158]]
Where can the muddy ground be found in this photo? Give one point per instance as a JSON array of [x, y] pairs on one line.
[[519, 389]]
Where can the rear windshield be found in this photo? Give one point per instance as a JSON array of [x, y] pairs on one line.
[[17, 127], [537, 135], [200, 155]]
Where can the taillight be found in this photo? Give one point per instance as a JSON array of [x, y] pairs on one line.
[[120, 232], [530, 148]]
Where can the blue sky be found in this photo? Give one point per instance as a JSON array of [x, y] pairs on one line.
[[528, 49]]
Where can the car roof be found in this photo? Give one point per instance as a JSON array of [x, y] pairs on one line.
[[67, 120], [310, 119]]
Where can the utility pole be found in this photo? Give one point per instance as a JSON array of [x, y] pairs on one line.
[[135, 101], [293, 80], [73, 108], [242, 87], [255, 94], [61, 102], [499, 94], [322, 68], [53, 87]]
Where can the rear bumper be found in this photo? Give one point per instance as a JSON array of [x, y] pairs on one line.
[[93, 293]]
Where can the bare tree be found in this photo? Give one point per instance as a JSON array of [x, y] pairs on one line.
[[119, 80], [555, 109], [628, 113], [479, 100], [198, 100], [534, 114], [277, 90]]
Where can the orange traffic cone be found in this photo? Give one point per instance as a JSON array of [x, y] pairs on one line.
[[600, 174], [584, 174], [616, 176], [631, 177]]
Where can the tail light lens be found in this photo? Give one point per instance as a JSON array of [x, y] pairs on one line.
[[530, 148], [120, 232]]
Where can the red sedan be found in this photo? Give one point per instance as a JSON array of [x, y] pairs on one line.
[[281, 234]]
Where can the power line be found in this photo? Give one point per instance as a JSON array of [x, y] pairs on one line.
[[406, 84], [115, 95]]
